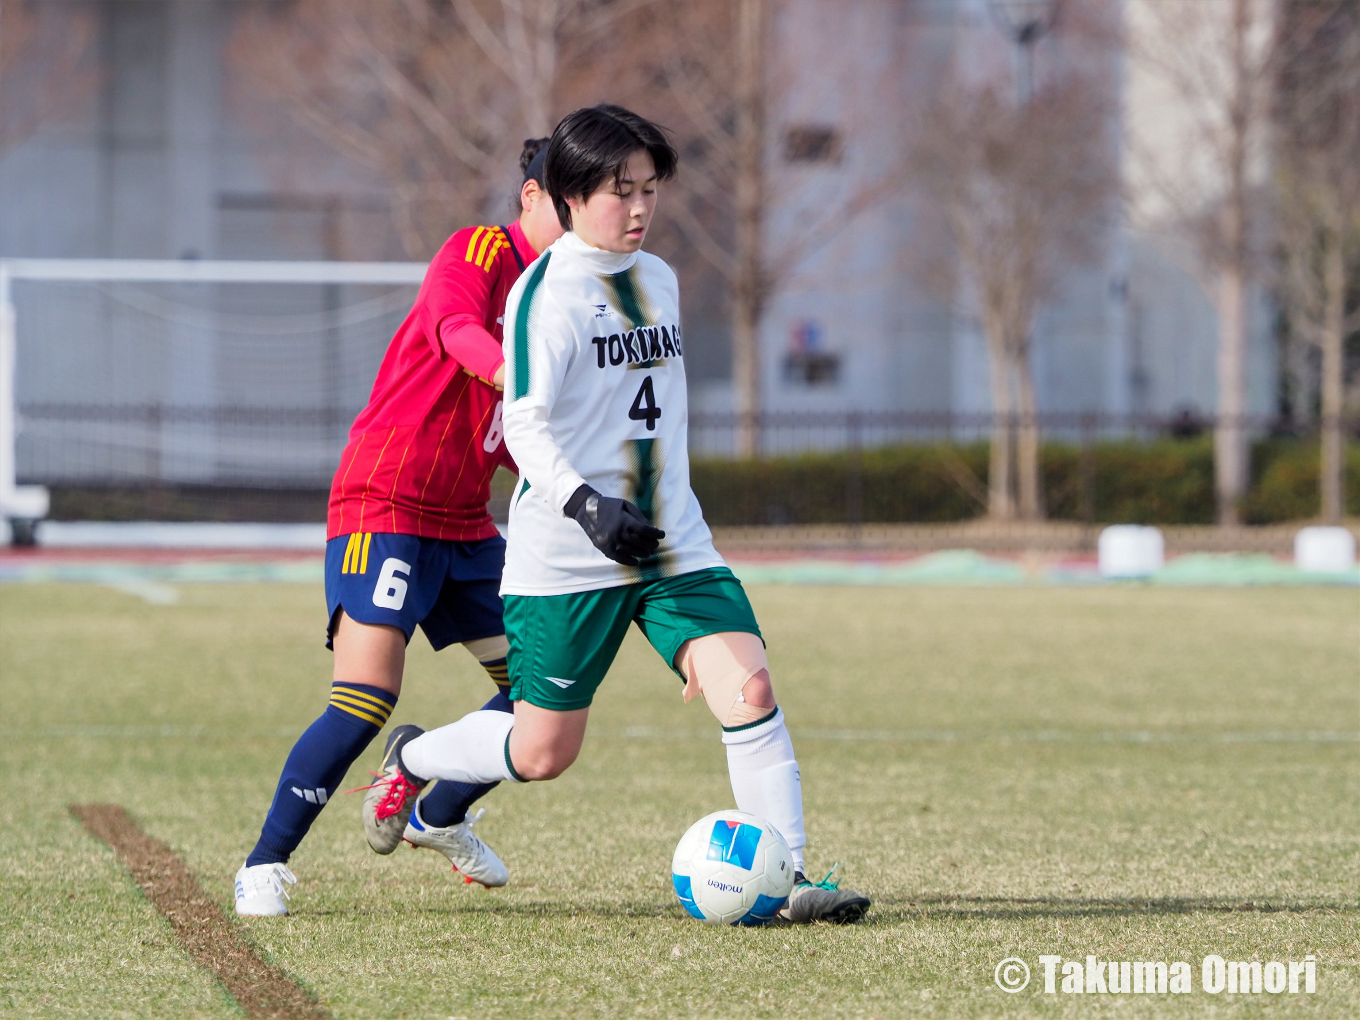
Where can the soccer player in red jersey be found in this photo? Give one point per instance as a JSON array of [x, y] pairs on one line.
[[410, 542]]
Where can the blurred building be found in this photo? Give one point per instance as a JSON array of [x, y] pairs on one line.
[[167, 155], [1132, 333], [163, 154]]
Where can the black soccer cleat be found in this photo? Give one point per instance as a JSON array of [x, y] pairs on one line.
[[824, 901]]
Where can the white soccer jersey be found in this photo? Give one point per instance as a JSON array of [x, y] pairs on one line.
[[595, 393]]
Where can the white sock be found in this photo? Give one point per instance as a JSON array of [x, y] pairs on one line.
[[765, 779], [471, 750]]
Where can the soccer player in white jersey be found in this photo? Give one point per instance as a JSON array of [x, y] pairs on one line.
[[604, 528]]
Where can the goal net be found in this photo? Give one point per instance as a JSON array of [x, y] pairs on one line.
[[189, 390]]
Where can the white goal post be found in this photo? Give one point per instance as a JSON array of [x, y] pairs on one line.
[[158, 317]]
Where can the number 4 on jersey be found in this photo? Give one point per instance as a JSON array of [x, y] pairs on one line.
[[644, 405]]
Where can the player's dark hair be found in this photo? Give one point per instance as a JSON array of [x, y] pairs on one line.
[[531, 160], [531, 169], [593, 144]]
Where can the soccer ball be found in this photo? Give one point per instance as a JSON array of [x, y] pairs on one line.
[[732, 868]]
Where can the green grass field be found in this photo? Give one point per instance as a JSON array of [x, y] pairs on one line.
[[1138, 773]]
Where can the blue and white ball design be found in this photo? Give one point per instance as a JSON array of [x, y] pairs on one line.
[[732, 868]]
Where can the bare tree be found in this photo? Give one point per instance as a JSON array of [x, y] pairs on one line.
[[1214, 64], [436, 97], [712, 81], [531, 41], [44, 66], [749, 282], [1318, 120], [1023, 193]]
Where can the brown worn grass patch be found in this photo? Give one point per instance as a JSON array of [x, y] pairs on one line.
[[263, 991]]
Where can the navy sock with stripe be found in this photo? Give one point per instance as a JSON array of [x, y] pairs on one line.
[[447, 802], [317, 765]]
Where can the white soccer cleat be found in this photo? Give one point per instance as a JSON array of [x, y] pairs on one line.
[[261, 891], [469, 855]]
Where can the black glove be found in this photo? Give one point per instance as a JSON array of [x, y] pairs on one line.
[[614, 526]]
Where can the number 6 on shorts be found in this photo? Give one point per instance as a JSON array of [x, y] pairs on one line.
[[390, 591]]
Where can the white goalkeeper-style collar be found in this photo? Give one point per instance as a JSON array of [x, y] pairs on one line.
[[598, 259]]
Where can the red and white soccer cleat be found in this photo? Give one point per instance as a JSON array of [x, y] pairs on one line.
[[388, 802]]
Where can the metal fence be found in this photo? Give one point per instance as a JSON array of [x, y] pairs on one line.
[[273, 445], [791, 432], [812, 468]]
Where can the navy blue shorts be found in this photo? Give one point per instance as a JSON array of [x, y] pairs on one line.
[[451, 589]]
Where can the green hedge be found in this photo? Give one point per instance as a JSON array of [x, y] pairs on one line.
[[1163, 482], [1285, 481]]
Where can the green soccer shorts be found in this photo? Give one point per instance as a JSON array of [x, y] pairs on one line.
[[561, 646]]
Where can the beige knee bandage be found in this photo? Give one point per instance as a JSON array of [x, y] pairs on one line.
[[718, 667], [491, 653], [489, 649]]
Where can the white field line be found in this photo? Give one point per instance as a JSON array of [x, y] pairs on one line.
[[1025, 736], [180, 535], [171, 732], [144, 732], [151, 592]]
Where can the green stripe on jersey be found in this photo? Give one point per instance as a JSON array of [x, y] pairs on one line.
[[526, 301], [646, 495], [648, 475], [631, 298]]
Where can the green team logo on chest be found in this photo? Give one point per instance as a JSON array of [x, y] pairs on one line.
[[645, 344]]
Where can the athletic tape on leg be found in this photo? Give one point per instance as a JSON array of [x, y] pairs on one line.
[[471, 750], [719, 666]]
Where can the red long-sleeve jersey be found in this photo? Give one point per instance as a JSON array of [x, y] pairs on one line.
[[421, 455]]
